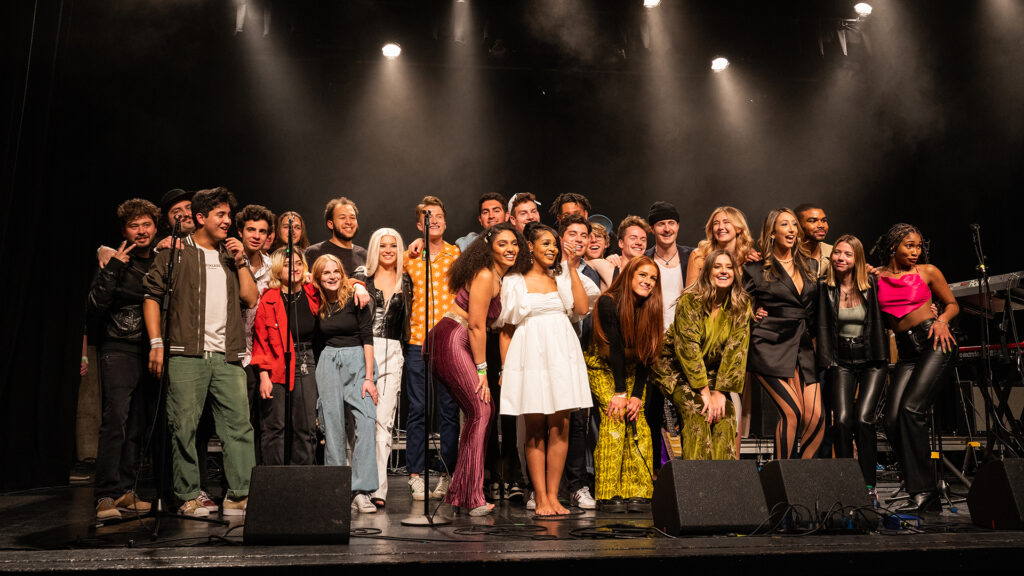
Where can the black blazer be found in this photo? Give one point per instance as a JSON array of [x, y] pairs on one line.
[[782, 342], [828, 325], [684, 258]]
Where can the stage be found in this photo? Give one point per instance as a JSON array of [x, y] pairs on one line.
[[54, 531]]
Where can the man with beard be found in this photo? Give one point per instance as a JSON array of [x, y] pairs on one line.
[[570, 203], [815, 224], [176, 205], [342, 219], [115, 303]]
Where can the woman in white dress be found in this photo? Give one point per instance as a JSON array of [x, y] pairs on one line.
[[544, 377]]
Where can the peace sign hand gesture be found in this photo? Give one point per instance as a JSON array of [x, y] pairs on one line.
[[122, 252]]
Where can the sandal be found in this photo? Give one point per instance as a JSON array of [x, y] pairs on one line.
[[378, 502]]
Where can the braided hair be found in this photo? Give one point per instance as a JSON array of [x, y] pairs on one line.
[[886, 244]]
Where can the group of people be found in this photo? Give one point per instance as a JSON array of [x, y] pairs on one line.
[[524, 327]]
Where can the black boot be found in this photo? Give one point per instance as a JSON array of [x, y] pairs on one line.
[[920, 503]]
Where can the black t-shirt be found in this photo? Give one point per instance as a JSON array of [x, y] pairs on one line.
[[608, 312], [351, 258], [347, 326], [303, 320]]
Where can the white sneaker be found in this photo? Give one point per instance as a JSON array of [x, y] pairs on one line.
[[531, 502], [582, 499], [442, 487], [416, 485], [361, 503]]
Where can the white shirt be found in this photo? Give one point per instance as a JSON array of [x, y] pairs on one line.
[[671, 288], [216, 301]]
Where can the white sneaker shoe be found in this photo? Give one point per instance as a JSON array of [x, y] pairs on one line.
[[442, 487], [361, 503], [416, 485], [531, 502], [582, 499]]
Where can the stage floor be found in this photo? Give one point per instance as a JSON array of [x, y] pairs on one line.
[[54, 530]]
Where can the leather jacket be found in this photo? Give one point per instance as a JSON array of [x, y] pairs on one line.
[[876, 342]]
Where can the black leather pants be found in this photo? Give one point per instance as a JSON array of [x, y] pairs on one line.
[[854, 391], [915, 386]]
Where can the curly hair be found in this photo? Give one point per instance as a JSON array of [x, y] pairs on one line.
[[136, 208], [206, 200], [886, 244], [640, 320], [533, 231], [705, 290], [254, 212], [767, 242], [567, 198], [477, 256]]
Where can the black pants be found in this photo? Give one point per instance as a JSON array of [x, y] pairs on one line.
[[575, 475], [502, 461], [128, 393], [303, 407], [853, 393], [654, 412], [915, 386]]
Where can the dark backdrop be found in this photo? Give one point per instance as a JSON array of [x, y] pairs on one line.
[[921, 122]]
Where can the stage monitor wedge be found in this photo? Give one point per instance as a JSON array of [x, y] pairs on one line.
[[822, 494], [996, 497], [708, 497], [299, 505]]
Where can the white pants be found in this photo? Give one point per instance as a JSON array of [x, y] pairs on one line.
[[388, 355]]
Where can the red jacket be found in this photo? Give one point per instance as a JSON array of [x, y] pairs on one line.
[[269, 333]]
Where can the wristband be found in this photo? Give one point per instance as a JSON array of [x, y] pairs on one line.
[[155, 341], [481, 372], [482, 366], [85, 360]]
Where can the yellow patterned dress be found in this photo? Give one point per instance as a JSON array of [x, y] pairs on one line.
[[703, 350], [622, 458]]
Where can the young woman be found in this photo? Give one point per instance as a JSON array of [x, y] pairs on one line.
[[626, 340], [854, 351], [460, 348], [280, 235], [596, 249], [288, 289], [344, 377], [544, 377], [703, 361], [781, 356], [726, 229], [926, 349], [391, 290]]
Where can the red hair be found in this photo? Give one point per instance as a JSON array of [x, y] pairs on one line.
[[640, 320]]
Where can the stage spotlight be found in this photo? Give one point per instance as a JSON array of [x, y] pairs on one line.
[[651, 3], [719, 64], [391, 50], [863, 9]]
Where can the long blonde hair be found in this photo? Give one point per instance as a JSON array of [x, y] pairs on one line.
[[744, 241], [766, 243], [373, 254], [737, 301], [860, 271], [344, 291], [277, 260]]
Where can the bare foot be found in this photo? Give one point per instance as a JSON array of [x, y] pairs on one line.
[[545, 510], [561, 509]]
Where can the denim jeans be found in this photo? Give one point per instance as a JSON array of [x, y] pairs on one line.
[[448, 415], [192, 378], [339, 379], [128, 391]]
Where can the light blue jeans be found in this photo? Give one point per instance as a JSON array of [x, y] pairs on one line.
[[339, 379]]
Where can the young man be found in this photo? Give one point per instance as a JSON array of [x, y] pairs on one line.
[[570, 203], [575, 230], [672, 260], [205, 345], [632, 233], [815, 224], [255, 224], [115, 303], [522, 209], [342, 219], [176, 205], [425, 313], [492, 211]]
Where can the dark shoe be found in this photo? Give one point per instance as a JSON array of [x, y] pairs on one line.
[[378, 502], [515, 492], [641, 505], [614, 506], [920, 503]]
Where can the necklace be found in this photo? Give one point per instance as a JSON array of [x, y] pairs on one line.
[[781, 261], [670, 258]]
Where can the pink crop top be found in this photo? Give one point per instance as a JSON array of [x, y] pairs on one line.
[[901, 296]]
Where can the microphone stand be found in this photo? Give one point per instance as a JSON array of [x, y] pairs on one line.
[[427, 519], [290, 342]]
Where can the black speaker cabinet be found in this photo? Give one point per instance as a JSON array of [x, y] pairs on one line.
[[706, 497], [996, 497], [299, 505], [815, 493]]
